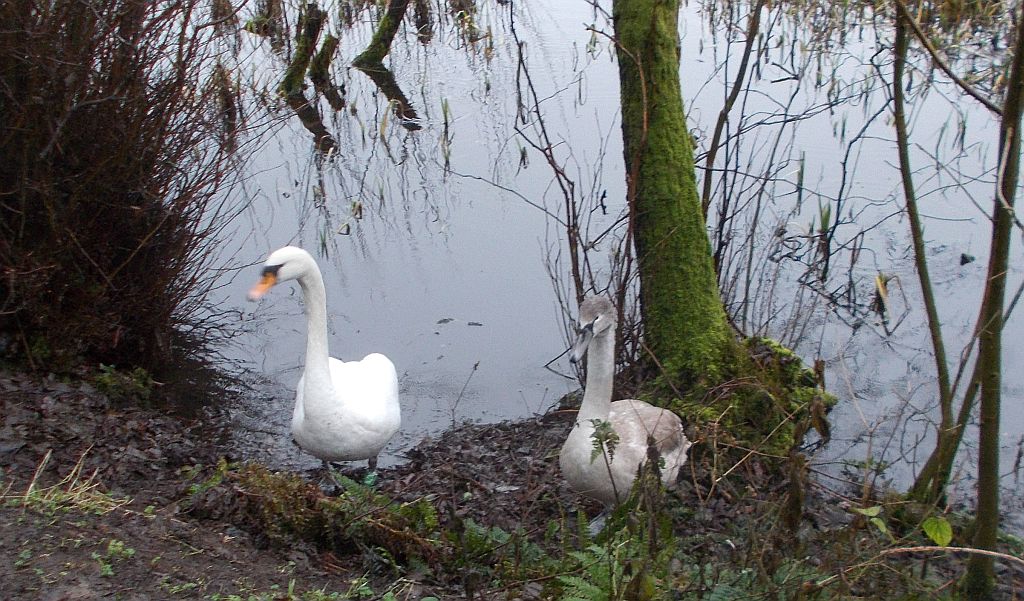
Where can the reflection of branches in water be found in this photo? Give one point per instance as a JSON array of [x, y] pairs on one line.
[[310, 117], [581, 210], [268, 21], [310, 23], [320, 74], [781, 272], [421, 16], [829, 254], [385, 190], [753, 27], [749, 225], [379, 190], [830, 258], [386, 83], [380, 45]]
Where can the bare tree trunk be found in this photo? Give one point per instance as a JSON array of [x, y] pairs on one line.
[[978, 583], [930, 485], [685, 324]]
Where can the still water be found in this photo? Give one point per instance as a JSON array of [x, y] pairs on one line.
[[441, 244]]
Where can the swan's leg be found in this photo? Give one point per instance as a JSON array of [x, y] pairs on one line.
[[329, 482], [371, 475]]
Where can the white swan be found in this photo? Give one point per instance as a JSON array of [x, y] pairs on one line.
[[344, 410], [632, 420]]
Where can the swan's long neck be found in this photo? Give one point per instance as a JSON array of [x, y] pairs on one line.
[[597, 396], [317, 372]]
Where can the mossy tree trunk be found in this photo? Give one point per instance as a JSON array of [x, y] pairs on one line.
[[685, 324]]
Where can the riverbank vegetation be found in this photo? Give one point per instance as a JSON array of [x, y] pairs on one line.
[[122, 154], [650, 229], [138, 501], [120, 146]]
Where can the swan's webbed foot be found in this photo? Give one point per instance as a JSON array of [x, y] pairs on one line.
[[371, 477], [597, 524]]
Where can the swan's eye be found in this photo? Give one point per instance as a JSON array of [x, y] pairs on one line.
[[271, 270]]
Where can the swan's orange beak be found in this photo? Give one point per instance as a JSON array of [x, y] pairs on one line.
[[266, 283]]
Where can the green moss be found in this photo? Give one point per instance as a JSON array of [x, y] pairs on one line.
[[372, 58], [769, 401], [259, 25], [285, 508], [779, 362], [319, 67], [124, 385], [685, 325]]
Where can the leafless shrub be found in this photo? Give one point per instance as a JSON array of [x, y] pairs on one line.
[[117, 136]]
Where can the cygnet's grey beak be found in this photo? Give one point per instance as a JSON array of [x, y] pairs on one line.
[[579, 348]]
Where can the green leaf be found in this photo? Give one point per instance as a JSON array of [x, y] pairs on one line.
[[939, 530], [869, 511], [880, 525]]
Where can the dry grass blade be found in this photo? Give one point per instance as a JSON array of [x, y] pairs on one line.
[[73, 492]]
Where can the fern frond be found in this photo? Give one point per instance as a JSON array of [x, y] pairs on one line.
[[605, 439], [579, 589]]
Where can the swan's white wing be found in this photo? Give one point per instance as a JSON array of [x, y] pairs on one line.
[[634, 420], [368, 387], [366, 393]]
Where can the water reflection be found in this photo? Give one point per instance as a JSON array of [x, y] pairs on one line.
[[308, 114], [443, 274], [388, 86]]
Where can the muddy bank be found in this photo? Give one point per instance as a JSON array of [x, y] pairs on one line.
[[97, 504], [96, 496], [91, 510]]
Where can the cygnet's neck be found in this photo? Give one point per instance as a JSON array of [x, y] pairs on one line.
[[597, 395]]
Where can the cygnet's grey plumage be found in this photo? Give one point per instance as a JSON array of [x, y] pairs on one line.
[[632, 420]]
